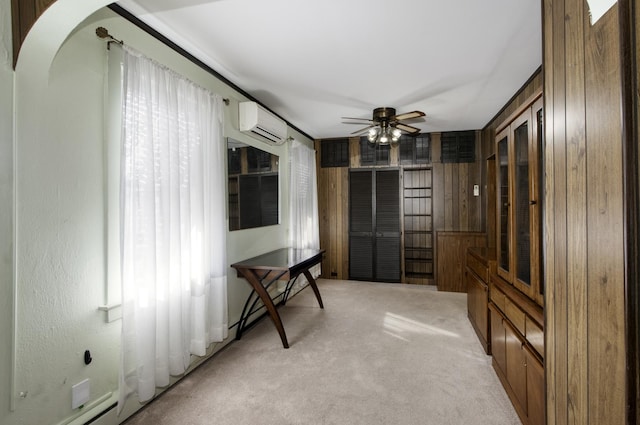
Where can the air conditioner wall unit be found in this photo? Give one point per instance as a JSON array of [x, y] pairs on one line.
[[256, 120]]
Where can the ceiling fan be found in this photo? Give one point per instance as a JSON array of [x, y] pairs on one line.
[[385, 127]]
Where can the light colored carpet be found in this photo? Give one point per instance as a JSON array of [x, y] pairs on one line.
[[377, 354]]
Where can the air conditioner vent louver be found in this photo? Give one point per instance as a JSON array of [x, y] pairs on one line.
[[256, 120]]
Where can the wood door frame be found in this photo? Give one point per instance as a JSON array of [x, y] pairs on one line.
[[628, 16]]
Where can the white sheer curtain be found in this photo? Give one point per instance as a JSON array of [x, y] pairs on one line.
[[174, 283], [303, 206]]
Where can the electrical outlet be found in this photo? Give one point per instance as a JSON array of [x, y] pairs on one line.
[[80, 394]]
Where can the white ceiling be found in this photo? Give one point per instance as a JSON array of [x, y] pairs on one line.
[[313, 62]]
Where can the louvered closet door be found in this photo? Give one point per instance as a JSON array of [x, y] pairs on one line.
[[374, 238]]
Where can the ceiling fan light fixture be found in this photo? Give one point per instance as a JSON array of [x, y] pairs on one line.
[[395, 134], [373, 134], [386, 128]]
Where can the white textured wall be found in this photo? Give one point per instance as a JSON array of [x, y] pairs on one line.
[[6, 206], [62, 223], [60, 230]]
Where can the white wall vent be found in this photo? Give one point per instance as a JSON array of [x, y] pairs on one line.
[[256, 120]]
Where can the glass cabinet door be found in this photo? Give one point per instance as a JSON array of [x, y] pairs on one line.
[[519, 192], [522, 197], [536, 171], [503, 208]]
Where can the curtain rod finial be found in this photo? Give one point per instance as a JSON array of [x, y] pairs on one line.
[[102, 32]]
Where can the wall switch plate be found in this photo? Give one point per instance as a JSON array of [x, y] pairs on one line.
[[80, 394], [476, 190]]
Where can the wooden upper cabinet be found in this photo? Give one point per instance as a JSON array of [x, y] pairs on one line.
[[518, 185]]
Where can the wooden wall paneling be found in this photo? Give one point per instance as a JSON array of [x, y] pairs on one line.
[[484, 154], [454, 170], [584, 270], [438, 190], [354, 152], [605, 229], [556, 361], [548, 231], [333, 193], [323, 215], [343, 272], [476, 176], [576, 257], [448, 197], [438, 196]]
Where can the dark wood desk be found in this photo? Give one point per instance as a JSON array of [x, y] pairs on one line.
[[266, 269]]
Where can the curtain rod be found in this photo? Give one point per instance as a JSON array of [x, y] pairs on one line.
[[103, 33]]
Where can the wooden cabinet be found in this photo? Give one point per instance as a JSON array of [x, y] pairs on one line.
[[498, 341], [516, 366], [479, 261], [535, 390], [516, 326], [518, 189], [516, 288], [451, 248]]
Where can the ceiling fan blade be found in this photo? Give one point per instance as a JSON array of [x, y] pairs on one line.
[[357, 119], [362, 130], [409, 115], [407, 128]]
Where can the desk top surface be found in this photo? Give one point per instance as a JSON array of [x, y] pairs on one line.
[[282, 259]]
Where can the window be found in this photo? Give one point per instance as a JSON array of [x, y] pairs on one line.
[[234, 158], [370, 155], [258, 160], [415, 149], [334, 153], [458, 146]]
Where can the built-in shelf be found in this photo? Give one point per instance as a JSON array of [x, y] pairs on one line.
[[418, 226]]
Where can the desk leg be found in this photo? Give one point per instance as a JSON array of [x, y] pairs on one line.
[[253, 280], [312, 282]]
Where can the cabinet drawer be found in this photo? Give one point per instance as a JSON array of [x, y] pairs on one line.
[[515, 315], [535, 336], [478, 268], [498, 298]]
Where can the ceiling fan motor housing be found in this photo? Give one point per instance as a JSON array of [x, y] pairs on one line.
[[383, 114]]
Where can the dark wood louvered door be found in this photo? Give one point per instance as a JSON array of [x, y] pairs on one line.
[[374, 223]]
